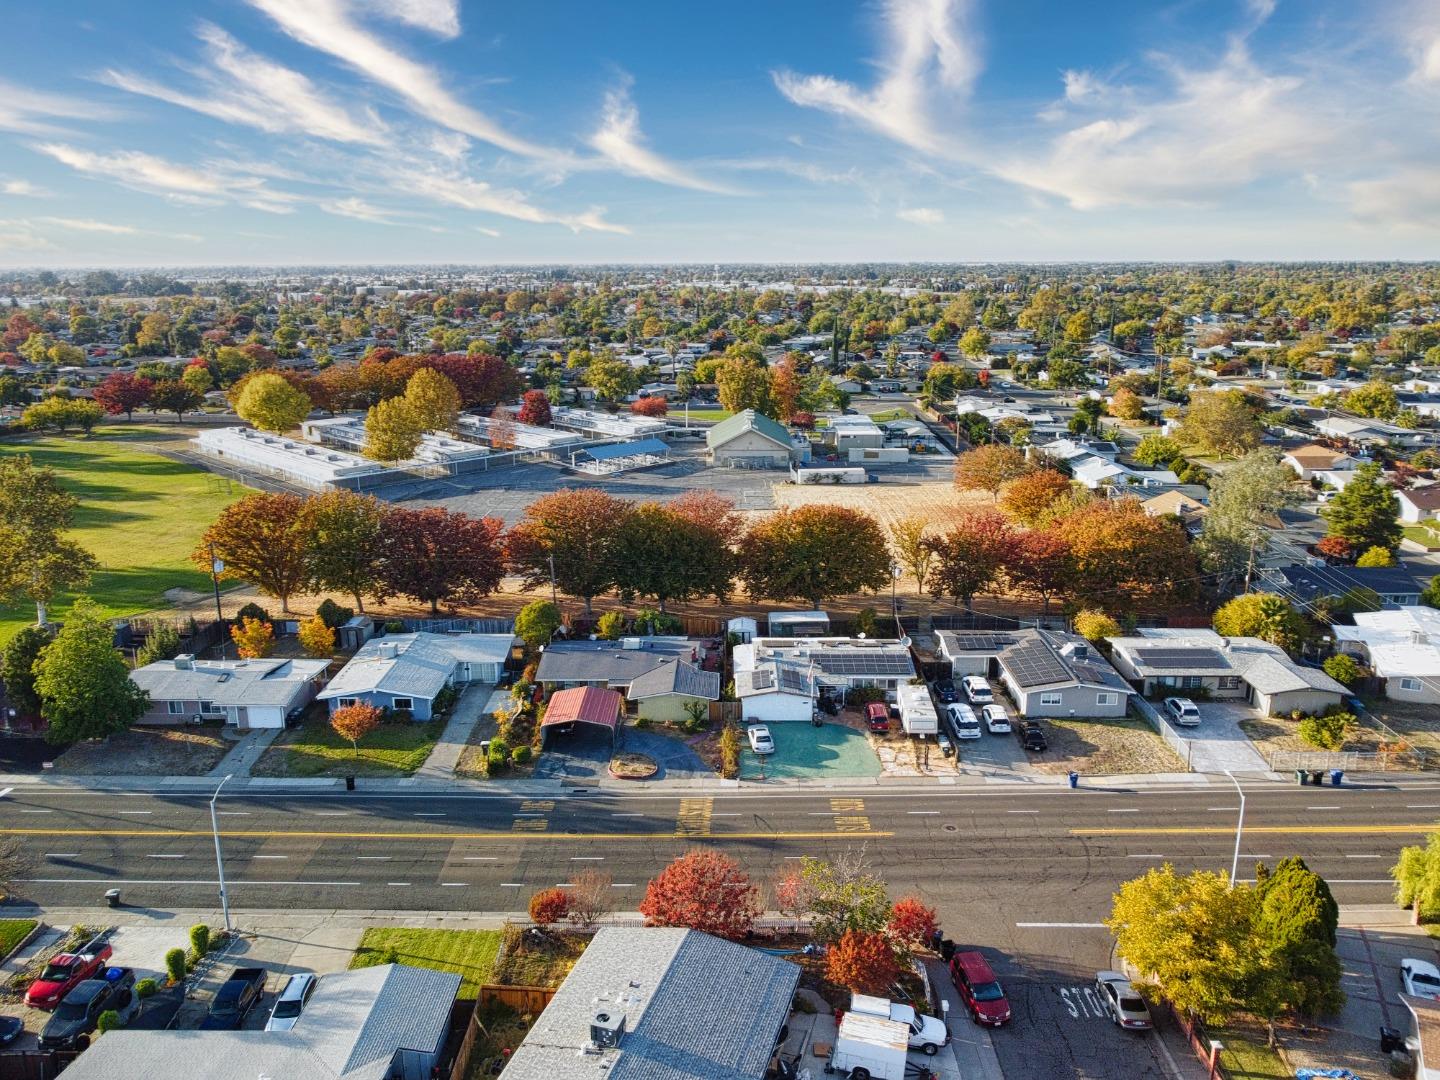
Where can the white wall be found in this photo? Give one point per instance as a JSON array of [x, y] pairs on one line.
[[776, 709]]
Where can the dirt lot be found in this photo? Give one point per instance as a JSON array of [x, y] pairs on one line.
[[1270, 733], [887, 503], [1417, 722], [1104, 747], [147, 751]]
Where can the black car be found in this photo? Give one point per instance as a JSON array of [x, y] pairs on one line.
[[10, 1029], [1031, 735], [234, 1000], [70, 1026], [945, 691]]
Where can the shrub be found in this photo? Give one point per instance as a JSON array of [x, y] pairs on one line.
[[498, 756], [146, 988], [1094, 625], [611, 625], [864, 622], [1343, 668], [394, 626], [520, 755], [1376, 556], [642, 724], [252, 610], [1326, 732], [108, 1020], [200, 939], [332, 614], [549, 906], [444, 701], [730, 752], [175, 965]]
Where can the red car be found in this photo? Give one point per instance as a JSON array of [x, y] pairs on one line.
[[878, 717], [979, 989], [63, 973]]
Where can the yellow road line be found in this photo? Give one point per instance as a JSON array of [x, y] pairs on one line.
[[440, 838], [1250, 830]]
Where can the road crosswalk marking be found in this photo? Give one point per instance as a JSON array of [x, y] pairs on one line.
[[694, 817], [850, 816]]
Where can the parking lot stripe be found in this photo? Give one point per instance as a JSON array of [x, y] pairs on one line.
[[1322, 808], [476, 858], [37, 811], [453, 884], [373, 858], [62, 854], [1230, 809], [270, 856], [397, 883], [173, 881], [1147, 856], [134, 811], [1127, 810]]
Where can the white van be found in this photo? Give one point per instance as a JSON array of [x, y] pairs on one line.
[[977, 690], [964, 721]]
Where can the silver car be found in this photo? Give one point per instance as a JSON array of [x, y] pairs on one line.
[[291, 1002], [1182, 711], [1127, 1008]]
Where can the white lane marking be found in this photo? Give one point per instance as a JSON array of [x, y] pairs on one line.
[[171, 881], [795, 858], [1322, 808], [622, 885], [633, 815], [62, 854], [1423, 806], [1231, 809], [535, 813], [587, 858], [432, 814], [453, 884], [332, 813], [37, 811], [373, 858], [135, 811], [1252, 855], [270, 856], [233, 813], [1022, 811], [1367, 856], [167, 856], [1127, 810], [1060, 925], [922, 813], [728, 815], [1362, 881], [563, 885], [477, 858], [1147, 856], [397, 883], [5, 791], [512, 884]]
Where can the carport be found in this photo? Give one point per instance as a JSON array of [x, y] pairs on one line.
[[583, 705]]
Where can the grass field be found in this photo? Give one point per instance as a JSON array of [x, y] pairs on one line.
[[1427, 538], [677, 412], [1246, 1057], [313, 749], [936, 502], [140, 515], [468, 953], [12, 932]]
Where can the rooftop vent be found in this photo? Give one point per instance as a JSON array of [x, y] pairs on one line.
[[387, 650], [607, 1027], [185, 662]]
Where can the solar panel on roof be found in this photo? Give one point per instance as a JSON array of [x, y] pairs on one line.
[[880, 664], [1191, 658]]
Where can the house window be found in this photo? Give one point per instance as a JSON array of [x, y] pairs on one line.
[[1229, 682], [210, 707], [1107, 698], [175, 708], [1192, 682], [346, 702], [1409, 684], [1052, 697], [403, 703]]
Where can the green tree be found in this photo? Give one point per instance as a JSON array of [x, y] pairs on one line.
[[1366, 512], [392, 430], [663, 554], [611, 379], [162, 643], [37, 562], [1221, 422], [82, 681], [1261, 615], [1155, 449], [1295, 930], [537, 622], [1376, 399], [272, 403], [433, 400], [974, 342], [343, 547], [197, 377], [1376, 556], [1417, 878], [813, 552], [17, 668], [1234, 535], [1342, 667], [845, 896], [172, 395]]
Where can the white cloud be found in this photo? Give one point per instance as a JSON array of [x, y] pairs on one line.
[[928, 41], [21, 236], [327, 25], [23, 188], [145, 172], [246, 88], [620, 142], [440, 17], [921, 215], [356, 208], [1428, 69], [1081, 87], [471, 194], [1408, 198], [492, 233], [32, 112], [90, 225]]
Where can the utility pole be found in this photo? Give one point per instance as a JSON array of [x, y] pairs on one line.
[[216, 567], [551, 560], [219, 861]]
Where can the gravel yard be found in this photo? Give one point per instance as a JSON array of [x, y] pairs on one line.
[[147, 751], [1104, 747]]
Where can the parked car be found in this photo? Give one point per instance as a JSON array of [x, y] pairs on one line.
[[979, 989], [1420, 978], [963, 721], [1032, 735], [1127, 1008], [977, 690], [996, 722], [10, 1029], [761, 741], [63, 973], [76, 1017], [877, 716], [945, 691], [291, 1002], [233, 1001], [1182, 711]]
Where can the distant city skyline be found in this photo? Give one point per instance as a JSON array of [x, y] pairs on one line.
[[350, 132]]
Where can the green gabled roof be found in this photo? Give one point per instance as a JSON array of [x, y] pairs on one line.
[[748, 420]]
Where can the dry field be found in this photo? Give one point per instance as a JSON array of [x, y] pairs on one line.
[[1104, 748], [887, 503]]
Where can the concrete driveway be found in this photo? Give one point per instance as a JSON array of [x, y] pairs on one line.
[[585, 754], [1218, 744]]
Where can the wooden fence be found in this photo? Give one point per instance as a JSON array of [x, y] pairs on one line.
[[525, 1000]]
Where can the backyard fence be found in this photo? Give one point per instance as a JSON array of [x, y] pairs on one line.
[[525, 1000], [459, 626]]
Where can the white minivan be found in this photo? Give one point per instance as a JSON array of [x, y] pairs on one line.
[[964, 721], [977, 690]]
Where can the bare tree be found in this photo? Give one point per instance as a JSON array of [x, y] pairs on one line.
[[590, 897]]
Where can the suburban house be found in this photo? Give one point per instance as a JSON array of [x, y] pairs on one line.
[[1051, 673], [1402, 646], [613, 664], [1395, 585], [777, 679], [1177, 503], [583, 705], [246, 693], [666, 693], [1368, 432], [408, 671], [1096, 472], [750, 440], [660, 1003], [973, 653], [1419, 504], [1312, 459], [1239, 668], [775, 691], [1425, 1043], [388, 1022]]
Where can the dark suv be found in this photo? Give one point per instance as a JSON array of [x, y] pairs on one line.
[[74, 1019], [1031, 735]]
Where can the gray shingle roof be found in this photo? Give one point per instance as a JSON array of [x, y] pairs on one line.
[[413, 665], [695, 1007], [272, 681], [676, 677], [609, 661]]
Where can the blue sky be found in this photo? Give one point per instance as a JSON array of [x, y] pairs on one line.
[[382, 131]]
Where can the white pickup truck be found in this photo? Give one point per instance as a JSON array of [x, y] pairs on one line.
[[927, 1033]]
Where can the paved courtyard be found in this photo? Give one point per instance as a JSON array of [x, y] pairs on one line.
[[805, 752]]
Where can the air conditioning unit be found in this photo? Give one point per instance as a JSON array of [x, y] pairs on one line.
[[607, 1028]]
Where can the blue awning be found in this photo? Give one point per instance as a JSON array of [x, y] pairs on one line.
[[620, 450]]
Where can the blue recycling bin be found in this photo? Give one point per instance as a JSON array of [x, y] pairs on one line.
[[1074, 779], [1337, 777]]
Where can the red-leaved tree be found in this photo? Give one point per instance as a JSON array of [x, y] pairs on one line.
[[534, 409], [650, 406], [435, 555], [123, 393], [549, 906], [1335, 547], [912, 923], [969, 557], [702, 890], [863, 963]]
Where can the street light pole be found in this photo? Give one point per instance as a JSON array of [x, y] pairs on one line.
[[1239, 828], [219, 860]]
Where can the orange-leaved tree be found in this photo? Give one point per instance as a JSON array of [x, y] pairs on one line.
[[862, 962], [703, 890], [549, 906], [255, 638], [354, 722], [912, 923]]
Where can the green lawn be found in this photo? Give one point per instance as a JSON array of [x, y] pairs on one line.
[[140, 515], [1246, 1057], [892, 414], [12, 932], [468, 953], [677, 414], [313, 749], [1421, 535]]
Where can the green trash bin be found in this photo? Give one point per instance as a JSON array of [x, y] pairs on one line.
[[1300, 777]]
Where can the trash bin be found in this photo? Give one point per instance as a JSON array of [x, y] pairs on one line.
[[947, 950], [1317, 777], [112, 897], [1390, 1040], [1300, 777], [1074, 778], [1337, 777], [350, 783]]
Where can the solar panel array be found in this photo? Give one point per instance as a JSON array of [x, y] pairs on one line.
[[1209, 659], [983, 642], [1033, 664], [871, 664], [762, 679], [792, 679]]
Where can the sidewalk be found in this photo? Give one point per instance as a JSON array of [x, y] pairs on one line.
[[475, 703], [245, 753]]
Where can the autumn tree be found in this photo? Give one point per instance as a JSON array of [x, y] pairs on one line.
[[433, 400], [534, 409], [745, 384], [793, 891], [393, 431], [1028, 498], [316, 638], [814, 552], [263, 539], [272, 403], [123, 392], [1261, 615], [343, 548], [574, 533], [863, 963], [1038, 562], [254, 638], [549, 906], [846, 895], [1376, 399], [785, 389], [436, 555], [82, 681], [989, 468], [662, 554], [172, 395], [1221, 422], [654, 407], [1126, 404], [908, 538], [37, 559], [1120, 554], [1095, 625], [912, 924], [703, 890], [1366, 513], [354, 722], [711, 510], [970, 555]]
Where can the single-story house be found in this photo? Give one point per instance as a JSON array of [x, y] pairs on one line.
[[1189, 511], [775, 692], [1402, 646], [664, 693], [408, 671], [846, 432], [1419, 504], [388, 1022], [660, 1003], [973, 653], [1425, 1043], [1051, 673], [1313, 458], [750, 440], [1395, 585], [835, 666], [246, 693], [1239, 668], [1368, 432], [615, 664], [584, 705]]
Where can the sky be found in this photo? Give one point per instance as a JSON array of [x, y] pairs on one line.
[[311, 132]]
